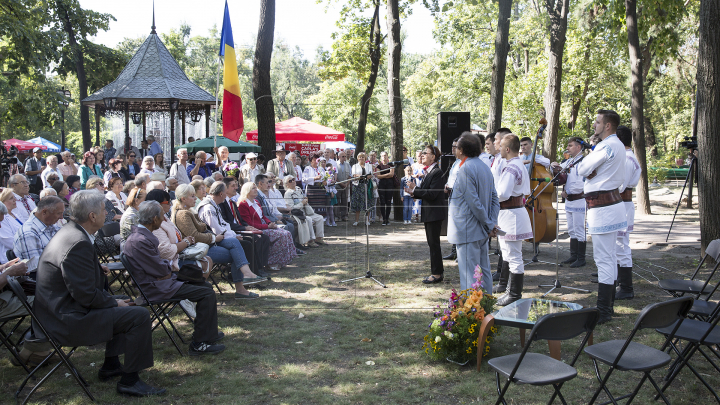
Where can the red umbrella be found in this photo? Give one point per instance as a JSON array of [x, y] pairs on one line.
[[23, 146], [299, 130]]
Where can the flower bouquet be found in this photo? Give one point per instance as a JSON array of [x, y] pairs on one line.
[[454, 332], [232, 169]]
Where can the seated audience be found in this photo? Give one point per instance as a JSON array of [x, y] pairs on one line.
[[200, 192], [148, 166], [190, 225], [209, 181], [157, 277], [197, 177], [9, 225], [171, 184], [282, 248], [62, 190], [50, 178], [112, 214], [129, 217], [160, 164], [114, 171], [75, 309], [155, 185], [21, 190], [88, 168], [68, 167], [129, 185], [201, 167], [270, 210], [295, 199], [142, 180], [36, 232], [73, 183], [251, 168]]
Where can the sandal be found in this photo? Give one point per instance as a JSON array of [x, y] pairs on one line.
[[432, 279]]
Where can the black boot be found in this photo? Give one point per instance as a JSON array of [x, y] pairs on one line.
[[573, 252], [496, 275], [504, 274], [514, 290], [625, 289], [604, 302], [452, 255], [581, 246]]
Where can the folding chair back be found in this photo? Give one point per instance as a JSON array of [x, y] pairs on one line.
[[678, 287], [663, 314], [565, 325], [64, 358], [160, 310]]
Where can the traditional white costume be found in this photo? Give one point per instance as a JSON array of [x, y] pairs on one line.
[[632, 177], [607, 160], [513, 181], [574, 206]]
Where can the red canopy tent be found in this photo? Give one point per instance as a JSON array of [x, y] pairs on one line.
[[23, 146], [299, 130]]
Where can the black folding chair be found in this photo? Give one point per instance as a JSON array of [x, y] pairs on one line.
[[6, 340], [161, 310], [117, 269], [697, 334], [57, 348], [539, 369], [626, 355], [677, 288]]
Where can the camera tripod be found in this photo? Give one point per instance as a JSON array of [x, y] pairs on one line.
[[688, 180]]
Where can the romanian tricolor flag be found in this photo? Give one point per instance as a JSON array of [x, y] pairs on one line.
[[232, 115]]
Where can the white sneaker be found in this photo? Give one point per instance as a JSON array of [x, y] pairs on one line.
[[189, 306]]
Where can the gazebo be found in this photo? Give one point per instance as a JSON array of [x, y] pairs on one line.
[[151, 83]]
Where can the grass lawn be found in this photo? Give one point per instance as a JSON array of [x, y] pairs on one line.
[[311, 340]]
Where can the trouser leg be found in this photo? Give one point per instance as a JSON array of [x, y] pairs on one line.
[[432, 234], [206, 321], [622, 249], [605, 257], [318, 223], [513, 255], [132, 336], [470, 255]]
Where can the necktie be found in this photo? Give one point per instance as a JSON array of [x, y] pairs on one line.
[[25, 204], [233, 212]]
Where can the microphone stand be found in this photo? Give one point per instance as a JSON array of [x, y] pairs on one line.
[[556, 283]]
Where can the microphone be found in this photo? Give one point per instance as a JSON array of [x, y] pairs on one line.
[[542, 179], [400, 162]]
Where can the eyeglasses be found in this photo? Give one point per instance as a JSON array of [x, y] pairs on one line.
[[253, 159], [165, 203], [291, 181], [131, 156], [21, 182]]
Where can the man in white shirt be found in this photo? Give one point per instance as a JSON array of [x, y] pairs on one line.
[[512, 186], [604, 170], [484, 156], [624, 290], [503, 269], [52, 164], [68, 167], [574, 203], [251, 169], [24, 204], [452, 176], [526, 147], [179, 168]]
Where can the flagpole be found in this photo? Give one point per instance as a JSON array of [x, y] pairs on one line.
[[217, 97]]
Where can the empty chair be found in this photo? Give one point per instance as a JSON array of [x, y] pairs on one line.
[[627, 355], [693, 286], [539, 369]]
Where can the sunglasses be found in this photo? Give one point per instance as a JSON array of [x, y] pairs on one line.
[[253, 159], [131, 156]]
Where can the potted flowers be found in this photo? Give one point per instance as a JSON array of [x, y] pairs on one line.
[[454, 332], [232, 169]]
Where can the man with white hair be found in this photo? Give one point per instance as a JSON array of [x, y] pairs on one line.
[[154, 147], [38, 229], [141, 181], [171, 183], [47, 192], [223, 156], [178, 170], [251, 169], [217, 176], [68, 167], [24, 203], [209, 181], [155, 185], [201, 166], [74, 307], [52, 167]]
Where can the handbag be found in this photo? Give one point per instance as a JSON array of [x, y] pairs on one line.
[[195, 252], [191, 273], [298, 213]]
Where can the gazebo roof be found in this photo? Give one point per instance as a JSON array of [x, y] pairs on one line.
[[150, 80]]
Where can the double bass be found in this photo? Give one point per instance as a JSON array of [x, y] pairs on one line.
[[545, 219]]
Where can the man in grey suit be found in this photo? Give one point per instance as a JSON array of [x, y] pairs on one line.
[[472, 212], [75, 309]]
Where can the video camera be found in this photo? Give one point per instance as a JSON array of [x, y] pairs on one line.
[[690, 142], [7, 157]]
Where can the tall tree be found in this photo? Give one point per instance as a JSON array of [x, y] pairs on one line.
[[375, 54], [708, 120], [394, 95], [497, 88], [557, 25], [636, 106], [262, 90]]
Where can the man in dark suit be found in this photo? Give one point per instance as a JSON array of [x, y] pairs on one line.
[[156, 278], [258, 255], [74, 308], [434, 209]]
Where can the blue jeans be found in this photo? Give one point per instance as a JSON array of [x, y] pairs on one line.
[[407, 208], [230, 251]]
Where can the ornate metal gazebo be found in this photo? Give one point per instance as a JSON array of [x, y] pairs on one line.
[[152, 83]]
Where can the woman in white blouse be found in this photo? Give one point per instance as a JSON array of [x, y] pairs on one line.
[[9, 225], [115, 194], [315, 186]]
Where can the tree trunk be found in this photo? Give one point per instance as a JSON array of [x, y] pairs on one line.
[[261, 77], [557, 11], [636, 106], [79, 58], [497, 88], [708, 120], [395, 101], [374, 51], [578, 99]]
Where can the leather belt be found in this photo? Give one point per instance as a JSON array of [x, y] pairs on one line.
[[164, 277], [574, 197], [512, 202], [627, 195], [598, 199]]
